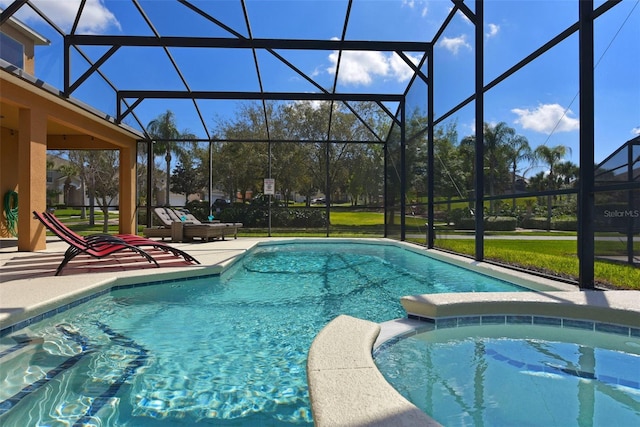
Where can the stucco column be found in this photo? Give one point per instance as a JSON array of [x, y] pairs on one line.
[[8, 171], [127, 196], [32, 178]]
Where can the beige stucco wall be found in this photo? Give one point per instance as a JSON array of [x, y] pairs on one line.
[[46, 121], [29, 47], [8, 171]]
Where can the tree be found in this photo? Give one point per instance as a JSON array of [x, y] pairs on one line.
[[497, 150], [552, 157], [187, 179], [300, 167], [104, 166], [99, 170], [566, 174], [518, 150], [451, 177], [499, 141], [164, 130]]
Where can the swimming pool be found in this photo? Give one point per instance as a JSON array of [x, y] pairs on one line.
[[516, 374], [222, 350]]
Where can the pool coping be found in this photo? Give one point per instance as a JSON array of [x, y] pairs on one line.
[[345, 386], [347, 389], [610, 307]]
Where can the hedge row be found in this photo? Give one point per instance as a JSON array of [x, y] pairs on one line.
[[250, 216], [492, 223], [501, 223], [541, 224]]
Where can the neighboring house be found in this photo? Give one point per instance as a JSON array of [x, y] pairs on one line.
[[17, 44], [61, 189]]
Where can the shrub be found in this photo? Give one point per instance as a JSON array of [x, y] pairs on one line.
[[540, 223], [500, 223], [142, 216], [458, 215], [466, 224], [564, 224], [492, 223], [199, 209], [257, 215]]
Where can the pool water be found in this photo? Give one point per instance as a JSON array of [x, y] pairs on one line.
[[524, 375], [226, 350]]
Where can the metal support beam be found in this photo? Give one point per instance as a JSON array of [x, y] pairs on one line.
[[91, 70], [245, 43], [149, 181], [430, 157], [327, 188], [273, 96], [630, 205], [210, 183], [403, 172], [140, 95], [586, 198], [385, 191], [479, 172], [10, 10], [66, 54]]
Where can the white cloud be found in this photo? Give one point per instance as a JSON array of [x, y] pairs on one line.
[[472, 127], [362, 67], [636, 131], [493, 30], [96, 18], [359, 67], [399, 69], [455, 44], [547, 118], [411, 4], [421, 4], [314, 105]]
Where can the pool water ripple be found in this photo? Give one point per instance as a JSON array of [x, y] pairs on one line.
[[223, 349], [517, 375]]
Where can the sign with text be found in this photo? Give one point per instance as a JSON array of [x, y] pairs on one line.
[[269, 186]]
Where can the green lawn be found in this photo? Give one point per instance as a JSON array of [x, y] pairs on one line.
[[339, 218], [556, 257]]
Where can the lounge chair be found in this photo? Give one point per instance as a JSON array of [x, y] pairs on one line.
[[183, 226], [97, 248], [130, 239]]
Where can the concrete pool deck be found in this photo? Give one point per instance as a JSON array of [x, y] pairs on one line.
[[344, 375]]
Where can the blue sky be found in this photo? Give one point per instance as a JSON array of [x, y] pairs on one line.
[[541, 101]]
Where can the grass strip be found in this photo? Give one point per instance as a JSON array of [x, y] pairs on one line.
[[557, 258]]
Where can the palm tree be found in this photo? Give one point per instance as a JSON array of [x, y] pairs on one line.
[[567, 172], [497, 154], [518, 150], [552, 157], [163, 128]]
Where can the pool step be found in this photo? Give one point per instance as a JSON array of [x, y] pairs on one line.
[[32, 367], [24, 344]]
